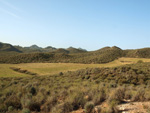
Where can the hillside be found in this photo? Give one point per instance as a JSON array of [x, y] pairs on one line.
[[8, 48], [35, 48], [75, 50], [12, 54], [138, 53], [103, 55]]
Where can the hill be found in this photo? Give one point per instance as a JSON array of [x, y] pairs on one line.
[[8, 48], [35, 48], [103, 55], [69, 55], [138, 53], [75, 50]]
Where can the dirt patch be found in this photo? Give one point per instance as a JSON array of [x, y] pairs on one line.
[[128, 107], [135, 107]]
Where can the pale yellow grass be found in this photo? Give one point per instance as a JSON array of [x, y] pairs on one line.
[[5, 71], [133, 60], [54, 68]]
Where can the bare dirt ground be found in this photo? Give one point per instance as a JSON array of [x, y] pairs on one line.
[[128, 107], [135, 107]]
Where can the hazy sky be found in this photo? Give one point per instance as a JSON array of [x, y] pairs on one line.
[[89, 24]]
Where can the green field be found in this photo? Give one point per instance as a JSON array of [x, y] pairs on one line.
[[55, 68]]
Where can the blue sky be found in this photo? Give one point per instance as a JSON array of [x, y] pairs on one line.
[[89, 24]]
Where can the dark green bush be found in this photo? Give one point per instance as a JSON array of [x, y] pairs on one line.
[[32, 90]]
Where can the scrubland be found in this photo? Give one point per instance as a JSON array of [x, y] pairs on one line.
[[94, 90]]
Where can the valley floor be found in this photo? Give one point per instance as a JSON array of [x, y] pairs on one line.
[[55, 68]]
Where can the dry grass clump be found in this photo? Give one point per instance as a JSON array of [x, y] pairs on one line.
[[49, 104], [77, 100], [89, 107], [116, 96], [139, 95], [65, 107]]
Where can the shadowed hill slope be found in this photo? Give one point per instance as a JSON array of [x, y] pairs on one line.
[[8, 48]]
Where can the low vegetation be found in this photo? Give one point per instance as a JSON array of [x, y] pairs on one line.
[[55, 68], [75, 79], [73, 90]]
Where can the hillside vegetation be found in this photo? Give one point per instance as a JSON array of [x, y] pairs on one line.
[[34, 54], [103, 55], [73, 90], [7, 48]]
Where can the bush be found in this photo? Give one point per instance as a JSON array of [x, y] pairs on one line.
[[65, 107], [78, 101], [61, 73], [3, 108], [47, 107], [89, 107], [10, 108], [139, 96], [35, 106], [26, 101], [13, 101], [99, 98], [140, 61], [25, 110], [32, 91], [116, 96]]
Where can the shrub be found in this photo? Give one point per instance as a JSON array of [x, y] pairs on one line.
[[78, 101], [127, 95], [13, 101], [3, 108], [89, 107], [99, 98], [26, 101], [65, 107], [32, 91], [35, 106], [61, 73], [139, 96], [140, 61], [116, 96], [10, 108], [25, 110], [47, 107]]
